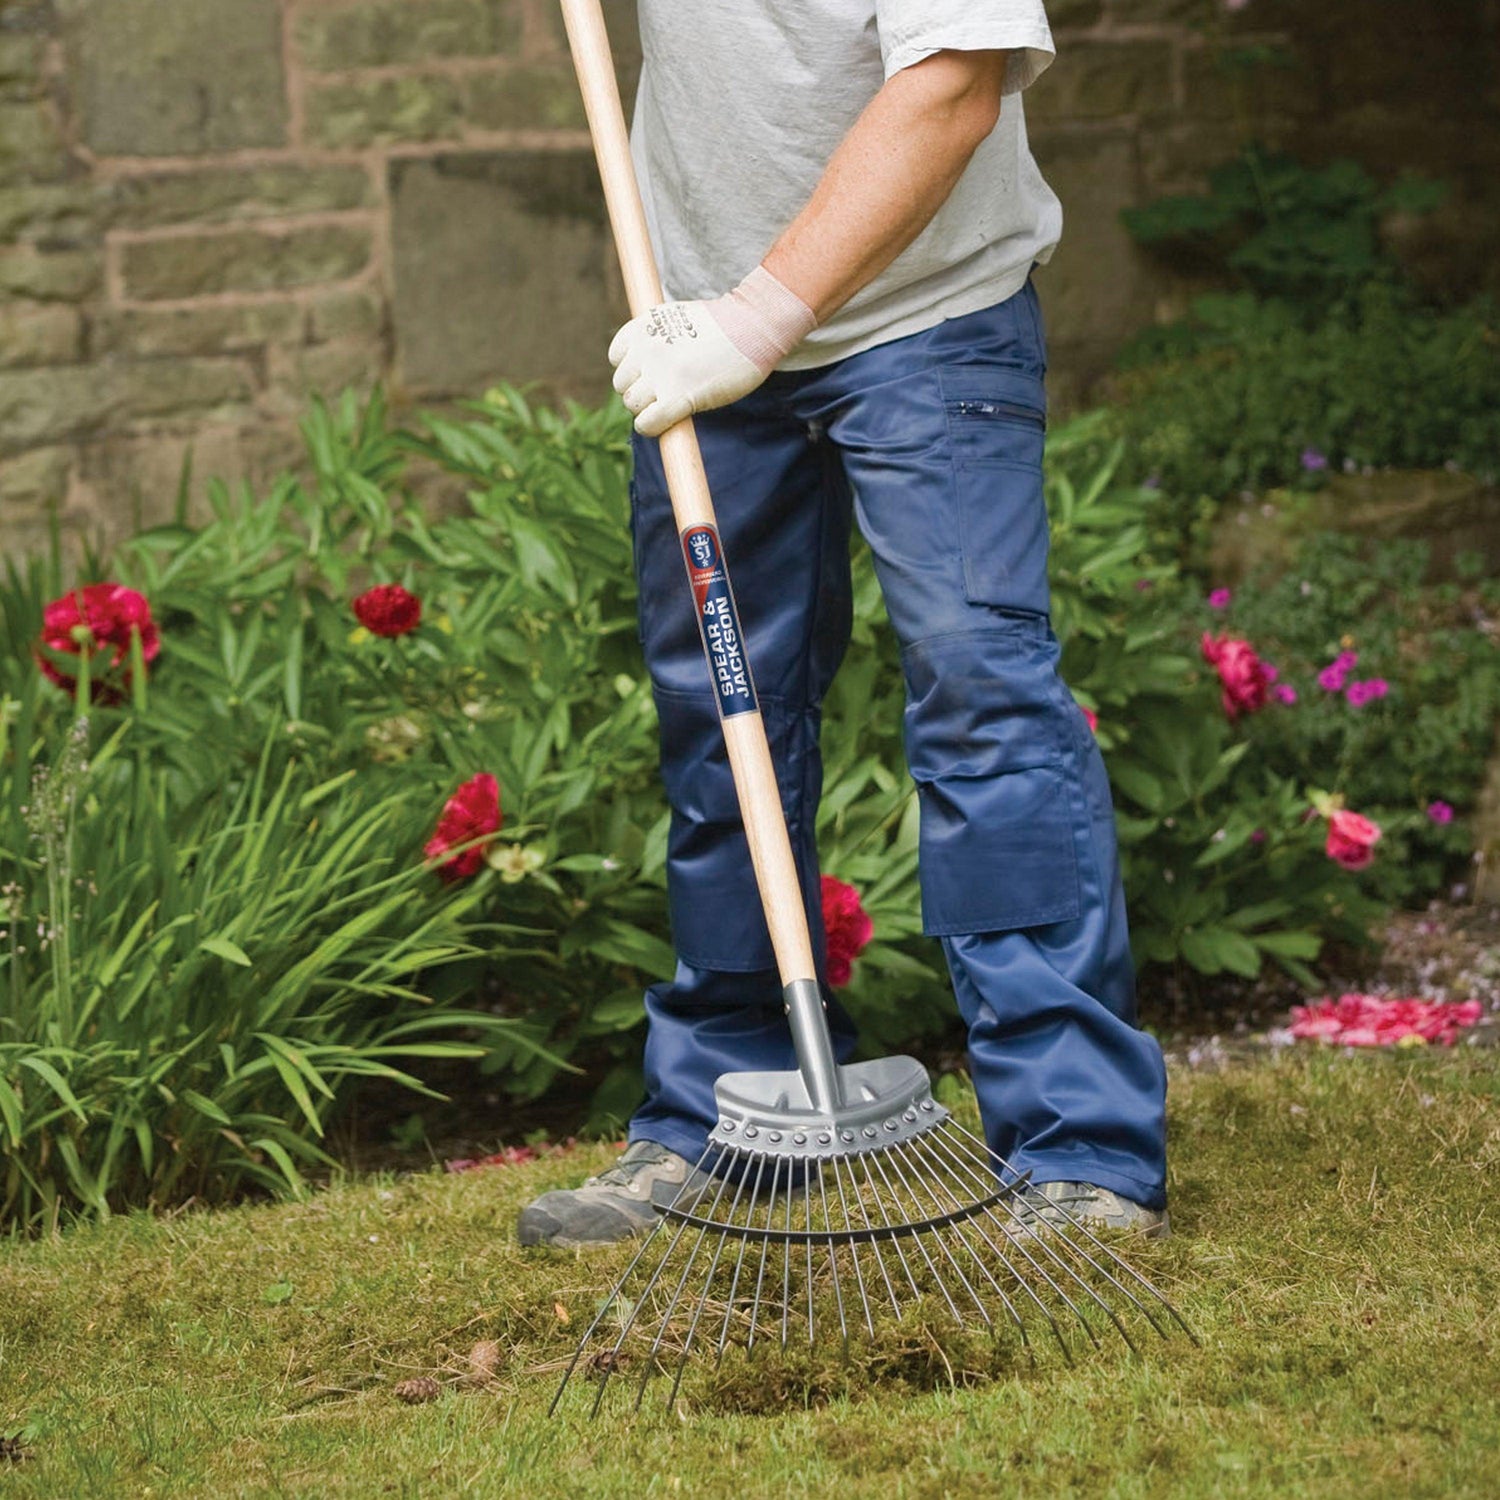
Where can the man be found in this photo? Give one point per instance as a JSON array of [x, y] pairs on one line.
[[884, 356]]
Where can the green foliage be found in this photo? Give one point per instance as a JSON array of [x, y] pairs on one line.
[[1237, 394], [1304, 234], [1426, 740]]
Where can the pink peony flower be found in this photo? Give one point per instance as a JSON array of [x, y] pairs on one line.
[[1284, 692], [1219, 599], [94, 616], [1244, 678], [1440, 812], [847, 927], [1374, 1021], [1090, 717], [472, 812], [388, 609], [1351, 839]]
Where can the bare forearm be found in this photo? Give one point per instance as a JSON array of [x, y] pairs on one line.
[[889, 176]]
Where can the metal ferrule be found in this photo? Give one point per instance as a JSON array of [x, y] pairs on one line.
[[820, 1070]]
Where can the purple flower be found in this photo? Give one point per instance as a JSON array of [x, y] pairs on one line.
[[1360, 693], [1259, 836], [1345, 659], [1313, 459], [1144, 585], [1284, 692], [1219, 599], [1440, 812], [1331, 678]]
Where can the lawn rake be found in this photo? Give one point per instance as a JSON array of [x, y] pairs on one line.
[[830, 1194]]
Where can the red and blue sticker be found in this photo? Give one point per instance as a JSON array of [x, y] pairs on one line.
[[718, 621]]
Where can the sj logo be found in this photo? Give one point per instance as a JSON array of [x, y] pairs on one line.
[[701, 549]]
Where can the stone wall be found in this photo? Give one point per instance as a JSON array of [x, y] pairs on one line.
[[211, 208]]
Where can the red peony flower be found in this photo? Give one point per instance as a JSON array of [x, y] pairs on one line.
[[847, 926], [472, 812], [1351, 839], [1090, 718], [388, 609], [1246, 680], [98, 614]]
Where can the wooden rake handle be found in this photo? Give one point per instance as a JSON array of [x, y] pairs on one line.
[[693, 510]]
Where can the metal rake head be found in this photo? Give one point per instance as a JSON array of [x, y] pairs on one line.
[[811, 1234]]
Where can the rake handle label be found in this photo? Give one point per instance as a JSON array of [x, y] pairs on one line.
[[718, 621]]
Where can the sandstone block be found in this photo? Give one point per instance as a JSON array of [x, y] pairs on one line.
[[31, 148], [1217, 88], [246, 260], [51, 275], [483, 244], [150, 332], [163, 78], [20, 65], [379, 33], [227, 194], [39, 333], [46, 406], [1096, 80], [347, 314], [28, 484], [296, 373], [371, 111], [54, 211], [533, 98]]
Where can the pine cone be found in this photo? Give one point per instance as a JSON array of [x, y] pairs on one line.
[[413, 1392]]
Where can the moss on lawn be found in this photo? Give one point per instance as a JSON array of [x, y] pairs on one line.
[[1338, 1250]]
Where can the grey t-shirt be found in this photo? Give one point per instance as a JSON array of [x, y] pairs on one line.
[[743, 102]]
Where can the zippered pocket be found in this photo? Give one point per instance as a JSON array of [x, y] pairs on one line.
[[1004, 410]]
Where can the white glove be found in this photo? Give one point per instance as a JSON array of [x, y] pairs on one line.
[[683, 357]]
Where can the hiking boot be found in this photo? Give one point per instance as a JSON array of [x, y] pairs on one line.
[[624, 1200], [1054, 1204]]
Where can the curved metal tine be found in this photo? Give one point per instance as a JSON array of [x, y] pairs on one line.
[[864, 1213], [885, 1219], [1042, 1243], [833, 1254], [917, 1240], [765, 1252], [1098, 1268], [739, 1260], [925, 1178], [807, 1205], [1118, 1260], [619, 1286], [1016, 1274], [676, 1297], [786, 1260], [937, 1235], [859, 1275], [727, 1225]]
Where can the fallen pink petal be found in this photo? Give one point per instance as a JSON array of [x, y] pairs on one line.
[[1355, 1020]]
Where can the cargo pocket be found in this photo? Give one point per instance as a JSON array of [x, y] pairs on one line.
[[997, 421]]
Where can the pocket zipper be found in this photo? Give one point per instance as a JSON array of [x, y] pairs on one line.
[[997, 409]]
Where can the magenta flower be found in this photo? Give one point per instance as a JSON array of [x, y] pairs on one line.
[[1284, 692], [1219, 599], [1258, 836], [1331, 678], [1361, 693], [1346, 659], [1313, 460], [1440, 812]]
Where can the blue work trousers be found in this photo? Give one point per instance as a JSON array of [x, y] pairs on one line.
[[934, 443]]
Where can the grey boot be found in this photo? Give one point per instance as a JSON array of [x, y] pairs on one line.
[[624, 1200], [1094, 1207]]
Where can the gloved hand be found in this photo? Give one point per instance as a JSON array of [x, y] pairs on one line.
[[683, 357]]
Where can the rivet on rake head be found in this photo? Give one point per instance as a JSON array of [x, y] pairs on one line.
[[847, 1135], [824, 1139], [927, 1104], [775, 1135], [890, 1125], [726, 1126], [751, 1131], [800, 1139], [909, 1116], [870, 1132]]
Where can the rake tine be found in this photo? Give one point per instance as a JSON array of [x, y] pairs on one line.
[[833, 1255], [708, 1283], [1047, 1248], [807, 1205], [739, 1261], [916, 1291], [941, 1243], [614, 1295], [676, 1297], [961, 1230], [936, 1274], [859, 1277], [1124, 1265], [786, 1259], [765, 1251], [1073, 1223], [864, 1213]]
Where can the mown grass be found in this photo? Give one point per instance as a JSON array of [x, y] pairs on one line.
[[1338, 1250]]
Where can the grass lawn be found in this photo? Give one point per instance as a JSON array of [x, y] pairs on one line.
[[1338, 1250]]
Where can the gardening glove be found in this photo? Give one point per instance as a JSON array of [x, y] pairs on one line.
[[682, 357]]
